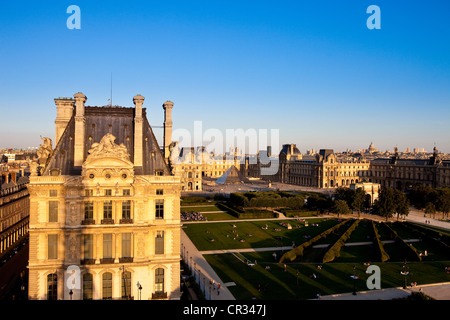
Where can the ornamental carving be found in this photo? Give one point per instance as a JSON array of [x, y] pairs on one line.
[[108, 148]]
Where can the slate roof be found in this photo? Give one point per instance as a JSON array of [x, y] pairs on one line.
[[118, 121]]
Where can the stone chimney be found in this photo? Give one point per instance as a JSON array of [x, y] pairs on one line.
[[64, 111], [138, 131], [80, 125], [167, 106]]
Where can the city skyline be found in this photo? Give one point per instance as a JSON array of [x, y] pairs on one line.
[[315, 72]]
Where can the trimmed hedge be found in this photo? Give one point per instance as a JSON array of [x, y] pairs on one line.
[[383, 254], [298, 251], [413, 254], [334, 251]]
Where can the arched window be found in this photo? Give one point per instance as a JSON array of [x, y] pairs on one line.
[[107, 286], [52, 286], [87, 286], [159, 280]]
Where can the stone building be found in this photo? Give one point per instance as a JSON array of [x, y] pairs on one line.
[[105, 216], [326, 170]]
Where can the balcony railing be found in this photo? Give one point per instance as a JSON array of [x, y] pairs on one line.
[[159, 295], [108, 221]]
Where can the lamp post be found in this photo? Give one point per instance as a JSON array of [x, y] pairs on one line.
[[354, 276], [405, 273], [139, 286], [124, 277]]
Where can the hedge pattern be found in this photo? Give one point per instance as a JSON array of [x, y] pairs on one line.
[[298, 251], [334, 251], [384, 256], [414, 254]]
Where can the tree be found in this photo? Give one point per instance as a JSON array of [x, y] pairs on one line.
[[401, 203], [341, 207], [358, 200], [430, 208], [443, 202], [385, 205]]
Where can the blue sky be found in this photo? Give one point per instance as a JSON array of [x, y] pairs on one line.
[[311, 69]]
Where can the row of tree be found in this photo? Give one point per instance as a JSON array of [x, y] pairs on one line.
[[432, 200], [390, 202]]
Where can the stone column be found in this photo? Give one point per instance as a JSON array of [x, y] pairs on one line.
[[167, 106], [64, 111], [80, 124], [138, 131]]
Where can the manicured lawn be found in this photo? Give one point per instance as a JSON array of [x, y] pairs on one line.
[[298, 282], [252, 234]]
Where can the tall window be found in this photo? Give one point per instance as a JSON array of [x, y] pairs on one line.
[[107, 209], [159, 242], [53, 211], [88, 246], [126, 285], [159, 209], [52, 286], [107, 286], [159, 280], [126, 209], [52, 246], [87, 286], [126, 245], [88, 210], [107, 245]]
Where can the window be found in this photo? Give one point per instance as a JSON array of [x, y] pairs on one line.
[[159, 209], [53, 193], [52, 286], [159, 172], [126, 285], [126, 209], [108, 192], [126, 192], [107, 245], [52, 246], [126, 245], [159, 242], [107, 209], [88, 192], [107, 286], [87, 286], [88, 210], [159, 280], [88, 246], [53, 211], [159, 191]]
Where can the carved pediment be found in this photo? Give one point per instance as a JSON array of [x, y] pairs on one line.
[[107, 148]]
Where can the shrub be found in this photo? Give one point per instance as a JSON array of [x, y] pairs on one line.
[[335, 249]]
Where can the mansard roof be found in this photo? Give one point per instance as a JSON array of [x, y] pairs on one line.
[[99, 121]]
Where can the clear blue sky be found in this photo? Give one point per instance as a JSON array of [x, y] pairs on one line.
[[311, 69]]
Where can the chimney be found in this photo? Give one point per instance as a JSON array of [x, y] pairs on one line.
[[167, 106], [80, 124], [64, 111], [138, 130]]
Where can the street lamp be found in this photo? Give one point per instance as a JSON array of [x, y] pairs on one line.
[[405, 273], [139, 286], [354, 277]]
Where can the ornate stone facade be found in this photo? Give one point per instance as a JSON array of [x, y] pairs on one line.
[[100, 229]]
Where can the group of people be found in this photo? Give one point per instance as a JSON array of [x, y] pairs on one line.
[[192, 216]]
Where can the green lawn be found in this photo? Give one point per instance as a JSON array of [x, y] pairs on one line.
[[297, 282], [252, 234]]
